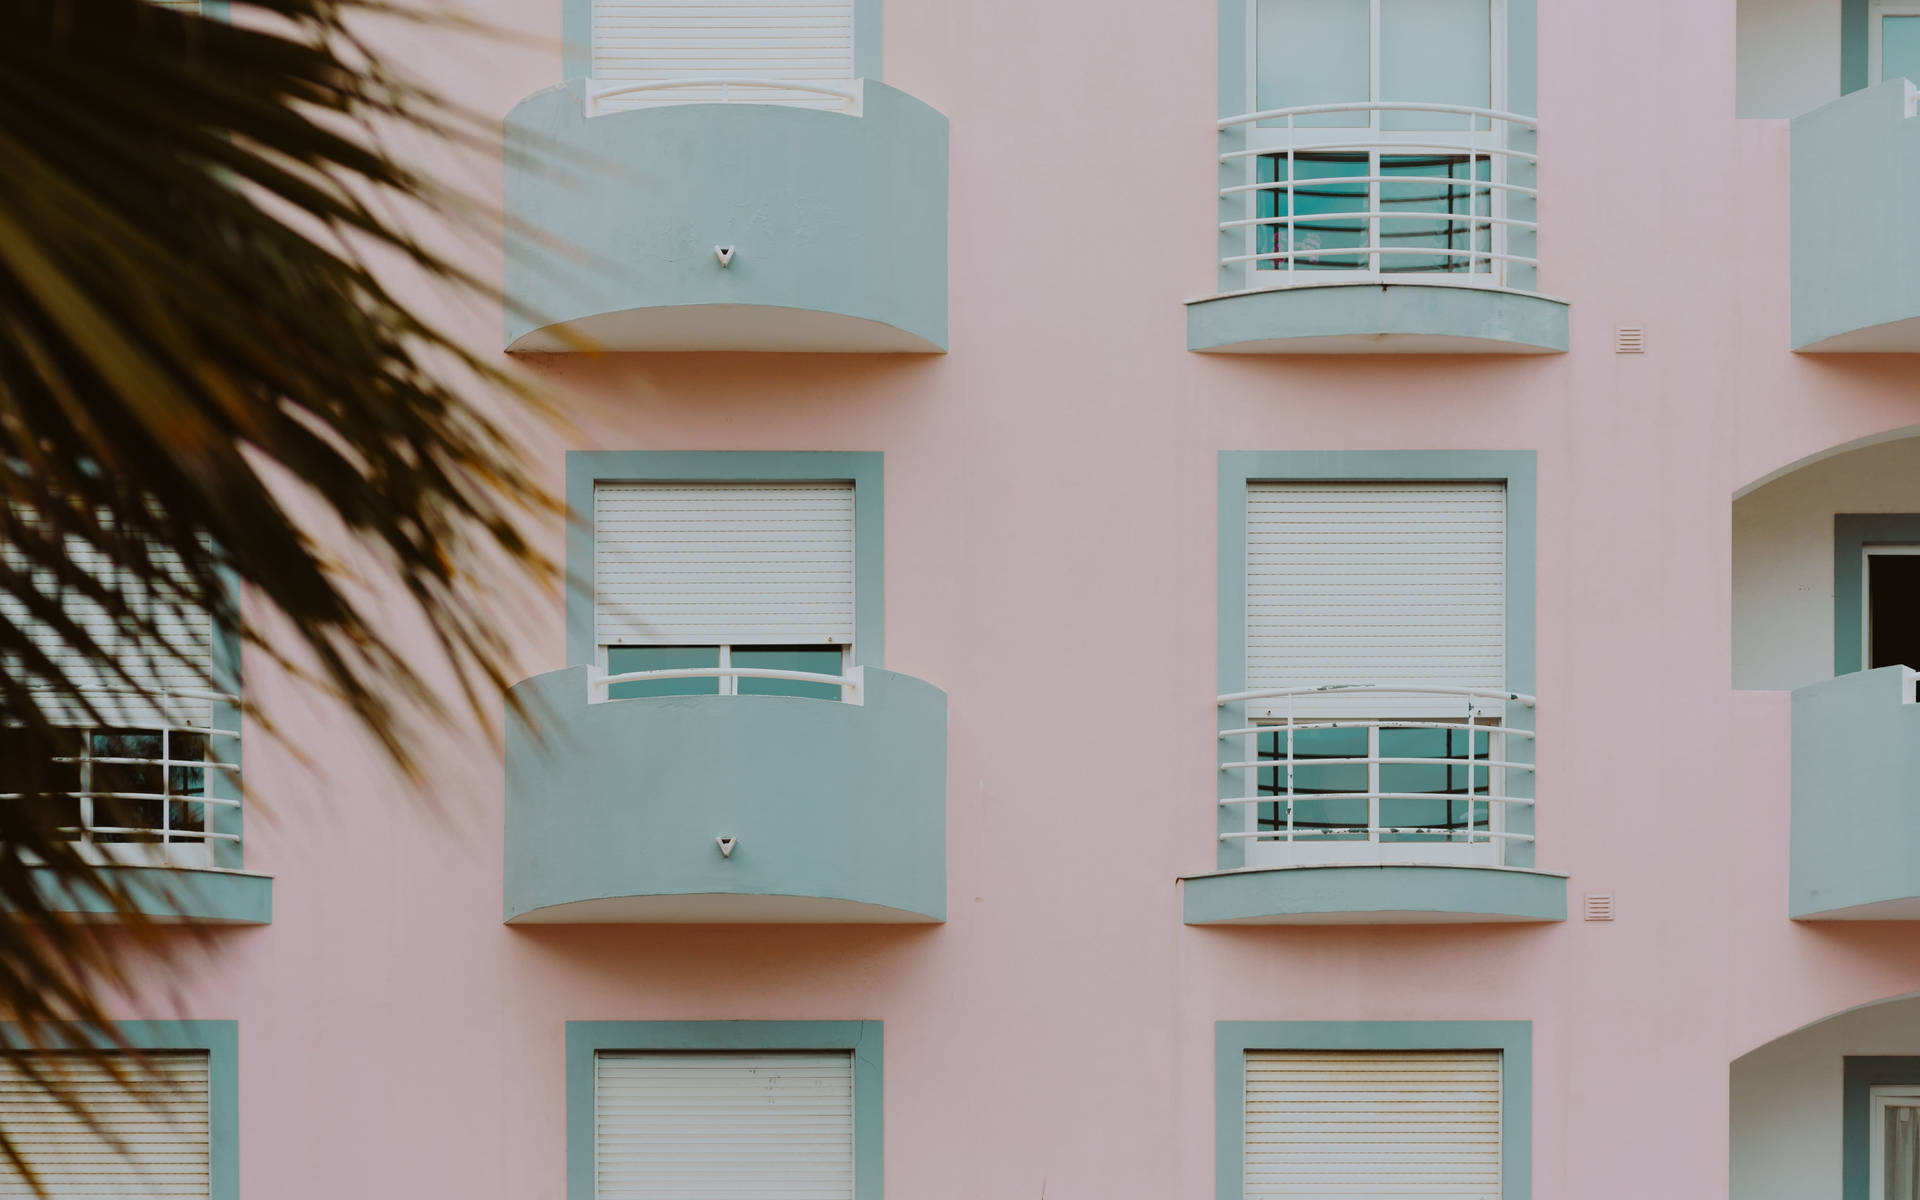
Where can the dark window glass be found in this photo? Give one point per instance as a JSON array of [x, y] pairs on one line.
[[622, 659], [820, 660], [1893, 610]]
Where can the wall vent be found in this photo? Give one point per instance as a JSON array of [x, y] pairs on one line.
[[1599, 906], [1629, 339]]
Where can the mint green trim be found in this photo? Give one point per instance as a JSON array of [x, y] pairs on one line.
[[1854, 847], [1515, 468], [866, 1040], [840, 240], [1852, 534], [865, 470], [225, 785], [1373, 895], [1860, 1074], [169, 894], [1513, 1039], [1852, 163], [1855, 21], [1402, 318], [221, 1041], [576, 29], [840, 809]]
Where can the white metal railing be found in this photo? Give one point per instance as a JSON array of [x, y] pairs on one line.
[[146, 789], [1448, 205], [1302, 798], [719, 90], [851, 683]]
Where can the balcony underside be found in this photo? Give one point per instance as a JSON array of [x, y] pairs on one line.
[[1377, 318], [168, 896], [720, 326], [721, 908], [1375, 895]]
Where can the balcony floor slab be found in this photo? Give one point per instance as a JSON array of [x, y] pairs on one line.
[[1375, 895], [1377, 318]]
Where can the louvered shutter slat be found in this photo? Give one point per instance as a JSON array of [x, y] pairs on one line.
[[155, 1128], [1375, 583], [649, 41], [723, 1126], [1362, 1124], [733, 564]]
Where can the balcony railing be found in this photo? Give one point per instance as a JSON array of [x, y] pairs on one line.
[[146, 790], [1306, 199], [1376, 773], [599, 686], [617, 95]]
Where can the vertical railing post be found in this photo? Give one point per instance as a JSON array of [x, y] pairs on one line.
[[1373, 783], [1289, 778]]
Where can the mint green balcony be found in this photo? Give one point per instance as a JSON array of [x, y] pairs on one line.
[[1856, 245], [726, 808], [1856, 799], [640, 224]]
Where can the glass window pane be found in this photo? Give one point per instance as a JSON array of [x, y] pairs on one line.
[[1428, 190], [622, 659], [1317, 819], [1435, 52], [1900, 48], [1893, 610], [1318, 190], [1902, 1153], [822, 660], [1312, 52]]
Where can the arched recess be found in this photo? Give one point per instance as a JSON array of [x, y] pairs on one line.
[[1803, 1122]]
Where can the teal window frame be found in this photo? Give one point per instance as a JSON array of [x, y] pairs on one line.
[[865, 470], [1513, 1040], [219, 1039], [864, 1039], [576, 32], [1852, 534], [1517, 470], [1856, 19], [1860, 1074]]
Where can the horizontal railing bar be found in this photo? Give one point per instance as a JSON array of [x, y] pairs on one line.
[[722, 673], [1279, 184], [1476, 797], [661, 85], [1353, 689], [1362, 251], [1308, 150], [1309, 110], [159, 836], [1374, 723], [1439, 836], [1298, 761], [178, 797], [1308, 218]]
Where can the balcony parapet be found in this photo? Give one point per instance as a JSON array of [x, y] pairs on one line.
[[1855, 852]]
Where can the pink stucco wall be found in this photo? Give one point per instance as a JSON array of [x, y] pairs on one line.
[[1051, 564]]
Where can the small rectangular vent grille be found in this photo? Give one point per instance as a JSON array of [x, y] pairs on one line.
[[1599, 906], [1630, 339]]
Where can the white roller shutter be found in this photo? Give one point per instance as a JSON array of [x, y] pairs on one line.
[[723, 1126], [181, 658], [723, 564], [649, 41], [1373, 1125], [154, 1128], [1379, 583]]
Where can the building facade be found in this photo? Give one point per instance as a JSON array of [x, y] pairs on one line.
[[1186, 603]]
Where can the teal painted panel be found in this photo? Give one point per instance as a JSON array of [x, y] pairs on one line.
[[1854, 18], [221, 1041], [170, 894], [1312, 52], [1395, 895], [839, 222], [864, 469], [1855, 166], [829, 800], [1378, 319], [866, 1040], [1855, 828], [622, 660], [1513, 1039], [1900, 48], [1439, 51]]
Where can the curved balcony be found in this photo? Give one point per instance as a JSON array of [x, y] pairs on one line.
[[1375, 228], [1855, 170], [148, 784], [1375, 804], [729, 214], [726, 808], [1855, 852]]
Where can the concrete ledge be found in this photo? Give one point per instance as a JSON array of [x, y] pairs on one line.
[[1375, 895], [169, 895], [1376, 318]]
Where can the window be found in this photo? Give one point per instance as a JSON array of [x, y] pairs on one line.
[[661, 52], [1893, 40], [718, 577], [1376, 625], [151, 1131], [1372, 1123], [719, 1125], [1894, 1169], [1892, 586], [1380, 187]]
